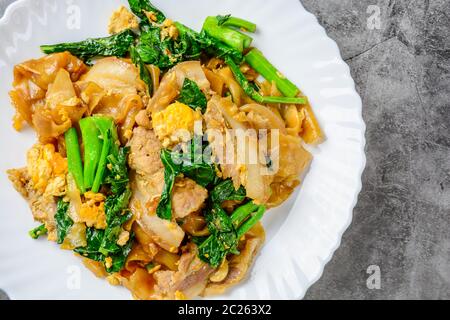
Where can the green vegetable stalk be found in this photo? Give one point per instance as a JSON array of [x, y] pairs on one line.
[[253, 94], [74, 158], [139, 7], [257, 61], [105, 126], [208, 44], [92, 149], [99, 140], [216, 27], [230, 21], [38, 231], [115, 45], [255, 216], [241, 213]]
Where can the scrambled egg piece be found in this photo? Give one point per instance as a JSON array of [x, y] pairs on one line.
[[108, 262], [47, 169], [151, 15], [169, 30], [124, 236], [175, 123], [92, 211], [121, 20]]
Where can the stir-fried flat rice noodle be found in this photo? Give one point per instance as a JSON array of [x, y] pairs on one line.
[[105, 178]]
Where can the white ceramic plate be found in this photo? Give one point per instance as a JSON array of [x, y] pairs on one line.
[[301, 235]]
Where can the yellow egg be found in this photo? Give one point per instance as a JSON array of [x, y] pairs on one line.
[[92, 211], [44, 166], [175, 123]]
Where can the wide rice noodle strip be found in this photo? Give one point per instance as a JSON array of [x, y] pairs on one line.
[[233, 116], [115, 74], [261, 117], [256, 180], [62, 108], [141, 284], [247, 172], [195, 225], [123, 110], [268, 88], [155, 73], [167, 92], [256, 184], [74, 197], [172, 82], [47, 127], [294, 160], [91, 94], [113, 87], [219, 138], [61, 90], [293, 119], [31, 81], [281, 191], [235, 89], [216, 81], [311, 132], [97, 267], [167, 259], [300, 119], [138, 257]]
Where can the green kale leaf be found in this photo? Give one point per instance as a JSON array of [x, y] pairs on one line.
[[225, 191], [116, 45], [192, 96], [139, 7], [63, 221], [144, 73], [192, 164]]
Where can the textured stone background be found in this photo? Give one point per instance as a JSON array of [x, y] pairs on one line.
[[402, 220]]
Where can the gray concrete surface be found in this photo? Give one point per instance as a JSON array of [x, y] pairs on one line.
[[402, 220]]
